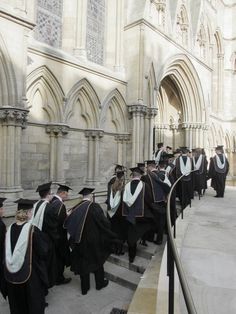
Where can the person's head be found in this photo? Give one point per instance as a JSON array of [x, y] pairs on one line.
[[141, 165], [44, 190], [24, 209], [219, 149], [184, 150], [119, 168], [136, 172], [177, 153], [87, 193], [168, 149], [160, 145], [2, 199], [151, 165], [119, 182], [162, 165], [63, 191]]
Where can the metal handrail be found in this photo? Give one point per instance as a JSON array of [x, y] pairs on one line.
[[174, 254]]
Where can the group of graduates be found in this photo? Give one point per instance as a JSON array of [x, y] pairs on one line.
[[45, 237]]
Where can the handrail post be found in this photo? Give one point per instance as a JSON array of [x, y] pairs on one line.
[[171, 274]]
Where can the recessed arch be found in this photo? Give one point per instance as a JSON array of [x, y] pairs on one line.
[[115, 102], [42, 81], [84, 95]]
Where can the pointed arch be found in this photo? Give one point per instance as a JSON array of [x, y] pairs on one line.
[[115, 102], [83, 95], [41, 82], [181, 71], [8, 87], [219, 41]]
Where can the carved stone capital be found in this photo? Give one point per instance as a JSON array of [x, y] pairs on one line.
[[122, 137], [137, 109], [13, 116], [57, 129], [162, 126], [152, 112], [94, 133]]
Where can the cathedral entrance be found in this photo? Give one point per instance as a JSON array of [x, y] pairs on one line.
[[181, 118]]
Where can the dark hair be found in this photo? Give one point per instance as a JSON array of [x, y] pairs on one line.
[[44, 193]]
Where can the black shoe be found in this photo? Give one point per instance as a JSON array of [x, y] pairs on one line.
[[131, 260], [46, 304], [84, 292], [159, 242], [105, 284], [143, 242], [63, 281], [216, 196]]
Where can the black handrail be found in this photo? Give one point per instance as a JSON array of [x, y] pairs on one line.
[[173, 258]]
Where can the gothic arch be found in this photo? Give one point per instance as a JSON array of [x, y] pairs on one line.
[[117, 105], [8, 86], [219, 41], [84, 94], [43, 85], [183, 74]]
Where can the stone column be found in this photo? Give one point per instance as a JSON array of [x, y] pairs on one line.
[[81, 29], [119, 63], [57, 133], [12, 121], [138, 112], [122, 140], [220, 84], [93, 170], [148, 152]]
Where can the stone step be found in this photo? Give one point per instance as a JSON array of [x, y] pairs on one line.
[[144, 251], [121, 275], [139, 265]]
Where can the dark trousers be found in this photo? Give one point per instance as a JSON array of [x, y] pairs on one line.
[[132, 251], [99, 280], [161, 222]]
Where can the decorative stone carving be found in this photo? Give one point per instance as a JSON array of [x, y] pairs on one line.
[[95, 30], [94, 133], [49, 22], [152, 112], [122, 137], [137, 109], [57, 129], [13, 116]]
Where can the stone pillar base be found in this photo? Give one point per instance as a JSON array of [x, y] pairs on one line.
[[12, 194]]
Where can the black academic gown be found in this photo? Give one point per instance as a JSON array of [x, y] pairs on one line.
[[91, 252], [218, 176], [2, 245], [62, 245], [184, 189], [142, 223], [199, 176], [49, 228], [29, 297]]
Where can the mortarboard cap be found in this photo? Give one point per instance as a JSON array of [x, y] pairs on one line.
[[219, 147], [44, 187], [168, 147], [177, 151], [159, 145], [140, 164], [184, 149], [25, 204], [151, 162], [117, 167], [63, 187], [136, 169], [86, 191], [2, 199]]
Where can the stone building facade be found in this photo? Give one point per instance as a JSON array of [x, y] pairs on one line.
[[89, 83]]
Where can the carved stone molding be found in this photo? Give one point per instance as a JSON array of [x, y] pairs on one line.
[[202, 126], [160, 4], [13, 116], [137, 109], [122, 137], [94, 133], [152, 112], [57, 129]]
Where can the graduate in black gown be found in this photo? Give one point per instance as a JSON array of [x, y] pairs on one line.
[[114, 211], [45, 218], [136, 210], [218, 170], [90, 239], [199, 176], [62, 246], [25, 264], [117, 170], [184, 166], [2, 245]]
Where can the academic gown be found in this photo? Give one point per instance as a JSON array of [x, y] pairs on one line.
[[49, 228], [184, 189], [91, 252], [199, 176], [2, 245], [62, 246], [118, 223], [142, 224], [218, 176], [29, 297]]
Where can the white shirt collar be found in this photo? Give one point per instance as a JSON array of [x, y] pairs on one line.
[[58, 197]]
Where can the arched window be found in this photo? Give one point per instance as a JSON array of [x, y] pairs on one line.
[[95, 30], [49, 22]]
